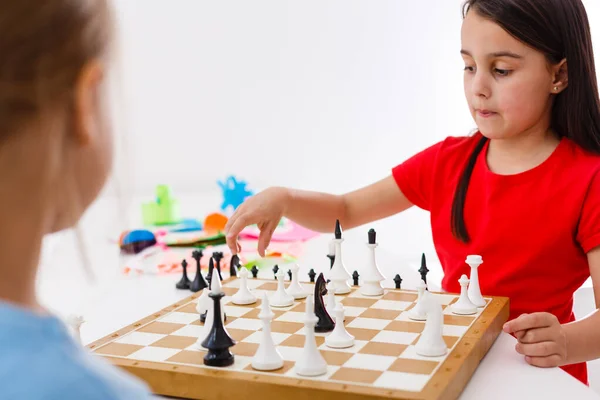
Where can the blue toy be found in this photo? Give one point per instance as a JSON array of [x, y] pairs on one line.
[[234, 192]]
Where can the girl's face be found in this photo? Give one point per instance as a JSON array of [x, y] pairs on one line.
[[507, 84]]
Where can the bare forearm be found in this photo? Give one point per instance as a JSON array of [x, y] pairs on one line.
[[583, 339], [315, 210]]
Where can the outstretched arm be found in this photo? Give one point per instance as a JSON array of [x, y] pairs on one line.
[[318, 211]]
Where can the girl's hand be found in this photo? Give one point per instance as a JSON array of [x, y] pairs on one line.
[[264, 209], [541, 339]]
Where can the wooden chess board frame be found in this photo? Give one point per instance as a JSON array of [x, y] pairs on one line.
[[200, 382]]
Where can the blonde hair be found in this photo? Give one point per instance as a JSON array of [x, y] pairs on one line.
[[44, 45]]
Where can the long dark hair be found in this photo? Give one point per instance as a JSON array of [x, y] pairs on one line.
[[559, 29]]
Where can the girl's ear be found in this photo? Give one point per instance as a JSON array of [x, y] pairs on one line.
[[560, 77], [85, 102]]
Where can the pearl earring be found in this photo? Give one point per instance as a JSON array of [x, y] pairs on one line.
[[556, 88]]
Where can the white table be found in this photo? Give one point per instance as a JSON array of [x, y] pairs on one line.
[[117, 300]]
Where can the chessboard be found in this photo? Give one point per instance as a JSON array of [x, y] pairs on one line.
[[160, 349]]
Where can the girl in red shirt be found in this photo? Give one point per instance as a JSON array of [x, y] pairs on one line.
[[523, 191]]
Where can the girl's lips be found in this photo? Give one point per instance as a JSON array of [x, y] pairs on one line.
[[485, 113]]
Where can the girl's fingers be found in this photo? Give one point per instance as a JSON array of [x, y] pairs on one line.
[[265, 238], [541, 349]]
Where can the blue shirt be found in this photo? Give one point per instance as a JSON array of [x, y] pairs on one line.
[[40, 360]]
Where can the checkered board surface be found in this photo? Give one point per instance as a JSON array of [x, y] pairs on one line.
[[382, 363]]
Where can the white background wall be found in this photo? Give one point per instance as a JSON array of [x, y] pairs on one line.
[[317, 94]]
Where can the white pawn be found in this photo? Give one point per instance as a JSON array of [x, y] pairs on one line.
[[474, 291], [330, 306], [281, 298], [267, 357], [215, 287], [372, 276], [431, 343], [243, 296], [295, 288], [339, 338], [311, 361], [75, 322], [417, 313], [463, 306], [338, 274]]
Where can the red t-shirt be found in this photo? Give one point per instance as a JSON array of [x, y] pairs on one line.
[[533, 229]]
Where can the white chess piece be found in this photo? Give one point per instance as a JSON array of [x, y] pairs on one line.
[[338, 274], [267, 357], [215, 287], [75, 322], [281, 298], [372, 277], [339, 338], [295, 288], [431, 343], [330, 306], [311, 361], [202, 303], [417, 313], [474, 291], [463, 305], [243, 296]]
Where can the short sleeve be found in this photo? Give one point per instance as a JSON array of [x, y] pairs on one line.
[[415, 176], [588, 234]]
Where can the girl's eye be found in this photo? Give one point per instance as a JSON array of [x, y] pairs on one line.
[[470, 69], [502, 72]]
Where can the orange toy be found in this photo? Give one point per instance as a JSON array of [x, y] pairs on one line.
[[215, 223]]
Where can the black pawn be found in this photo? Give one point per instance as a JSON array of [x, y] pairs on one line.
[[218, 256], [184, 283], [355, 277], [218, 340], [398, 281], [325, 323], [275, 270], [234, 264], [338, 229], [311, 275], [290, 274], [199, 282], [423, 270], [254, 271]]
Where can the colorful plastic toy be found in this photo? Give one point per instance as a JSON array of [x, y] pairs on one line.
[[234, 192], [163, 211]]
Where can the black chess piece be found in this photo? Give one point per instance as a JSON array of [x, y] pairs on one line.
[[355, 278], [311, 275], [254, 271], [234, 264], [331, 260], [218, 256], [275, 270], [338, 229], [325, 323], [211, 267], [199, 282], [289, 274], [423, 270], [372, 235], [218, 340], [184, 283], [398, 281]]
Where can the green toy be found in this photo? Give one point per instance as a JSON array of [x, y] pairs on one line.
[[163, 211]]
